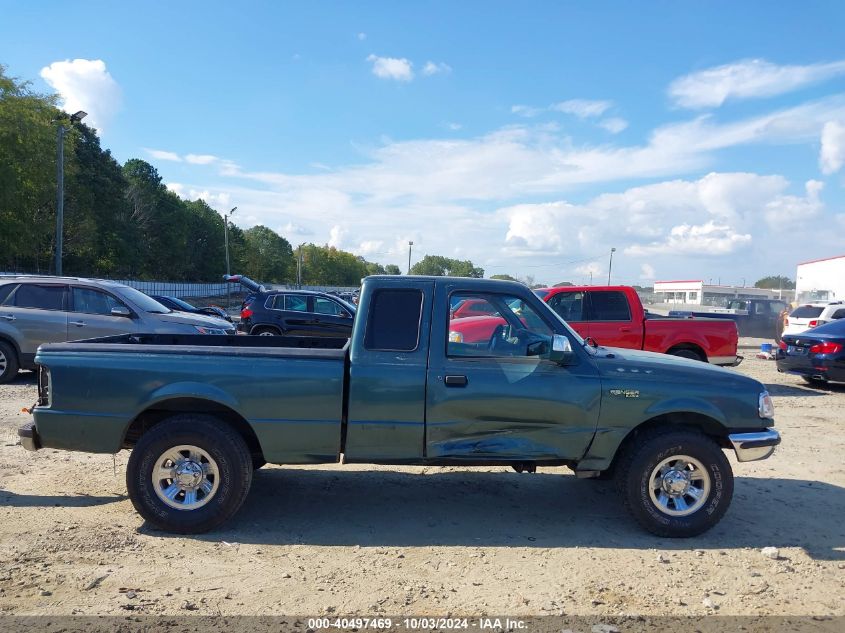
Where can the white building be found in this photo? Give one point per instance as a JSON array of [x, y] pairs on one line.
[[821, 280], [696, 292]]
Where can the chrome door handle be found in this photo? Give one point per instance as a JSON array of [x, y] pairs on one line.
[[10, 317], [78, 323]]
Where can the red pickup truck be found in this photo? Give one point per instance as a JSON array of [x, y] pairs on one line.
[[613, 316]]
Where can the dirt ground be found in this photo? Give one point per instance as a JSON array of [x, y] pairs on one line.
[[430, 541]]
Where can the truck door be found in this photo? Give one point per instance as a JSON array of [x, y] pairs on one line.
[[386, 410], [498, 399], [610, 320]]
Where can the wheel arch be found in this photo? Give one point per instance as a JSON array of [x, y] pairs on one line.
[[597, 459], [688, 345], [161, 410]]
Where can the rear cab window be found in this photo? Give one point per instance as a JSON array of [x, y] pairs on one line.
[[393, 324], [609, 305]]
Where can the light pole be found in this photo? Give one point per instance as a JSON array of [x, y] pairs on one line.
[[610, 266], [60, 186], [410, 245]]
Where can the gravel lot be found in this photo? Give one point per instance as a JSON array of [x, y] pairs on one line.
[[435, 541]]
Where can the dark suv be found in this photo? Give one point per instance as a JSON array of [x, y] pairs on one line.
[[297, 313]]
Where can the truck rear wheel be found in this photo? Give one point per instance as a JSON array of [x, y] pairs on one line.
[[189, 473], [675, 483], [685, 352]]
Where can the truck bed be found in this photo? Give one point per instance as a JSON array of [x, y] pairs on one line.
[[289, 390]]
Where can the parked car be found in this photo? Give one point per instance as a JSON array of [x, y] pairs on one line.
[[817, 355], [613, 316], [811, 315], [36, 310], [400, 392], [297, 313], [180, 305], [754, 317]]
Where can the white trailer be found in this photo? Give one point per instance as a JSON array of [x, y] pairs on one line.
[[821, 280]]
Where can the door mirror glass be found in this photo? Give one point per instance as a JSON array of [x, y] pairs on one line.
[[561, 350], [121, 311]]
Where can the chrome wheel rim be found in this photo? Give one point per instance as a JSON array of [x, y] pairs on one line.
[[266, 333], [679, 485], [185, 477], [3, 362]]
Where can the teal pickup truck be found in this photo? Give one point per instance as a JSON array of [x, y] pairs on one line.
[[200, 413]]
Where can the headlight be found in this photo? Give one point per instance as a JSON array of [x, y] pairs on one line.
[[209, 330], [456, 337], [765, 407]]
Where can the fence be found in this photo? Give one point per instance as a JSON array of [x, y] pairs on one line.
[[169, 288]]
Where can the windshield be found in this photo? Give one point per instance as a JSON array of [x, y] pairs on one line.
[[806, 312], [184, 305], [542, 293], [140, 300], [348, 306]]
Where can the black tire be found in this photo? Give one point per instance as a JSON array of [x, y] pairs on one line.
[[9, 365], [222, 443], [684, 352], [642, 457], [265, 331], [819, 383]]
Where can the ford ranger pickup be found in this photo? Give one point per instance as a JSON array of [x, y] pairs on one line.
[[200, 413]]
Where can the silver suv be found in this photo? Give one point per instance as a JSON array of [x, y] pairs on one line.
[[36, 310]]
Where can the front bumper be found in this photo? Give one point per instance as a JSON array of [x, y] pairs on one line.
[[750, 447], [28, 435]]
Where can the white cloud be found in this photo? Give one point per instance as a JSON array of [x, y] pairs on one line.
[[85, 84], [362, 36], [832, 155], [454, 126], [747, 79], [292, 228], [582, 108], [647, 272], [337, 236], [200, 159], [399, 69], [526, 111], [221, 201], [432, 68], [702, 239], [160, 154], [614, 125]]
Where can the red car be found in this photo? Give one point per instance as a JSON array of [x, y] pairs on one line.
[[613, 316]]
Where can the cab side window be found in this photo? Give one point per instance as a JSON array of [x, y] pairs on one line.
[[515, 329], [40, 297], [569, 305], [394, 320], [92, 301], [5, 293]]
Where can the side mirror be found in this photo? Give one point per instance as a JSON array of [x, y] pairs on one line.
[[561, 353], [121, 311]]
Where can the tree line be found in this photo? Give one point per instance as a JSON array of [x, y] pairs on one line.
[[121, 221]]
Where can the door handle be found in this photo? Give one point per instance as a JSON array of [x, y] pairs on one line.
[[10, 317], [78, 323], [456, 381], [625, 329]]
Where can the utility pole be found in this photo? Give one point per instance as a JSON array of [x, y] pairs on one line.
[[299, 268], [226, 217], [60, 186], [410, 245], [610, 266]]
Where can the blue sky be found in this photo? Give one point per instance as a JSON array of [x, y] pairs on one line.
[[701, 141]]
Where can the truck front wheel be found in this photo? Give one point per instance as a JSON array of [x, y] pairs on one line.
[[675, 483], [189, 473]]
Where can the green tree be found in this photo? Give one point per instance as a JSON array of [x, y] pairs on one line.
[[267, 257], [439, 266], [504, 277], [27, 175], [392, 269], [775, 282]]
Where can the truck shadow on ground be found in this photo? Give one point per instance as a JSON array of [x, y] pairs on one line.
[[800, 392], [504, 509], [14, 500]]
